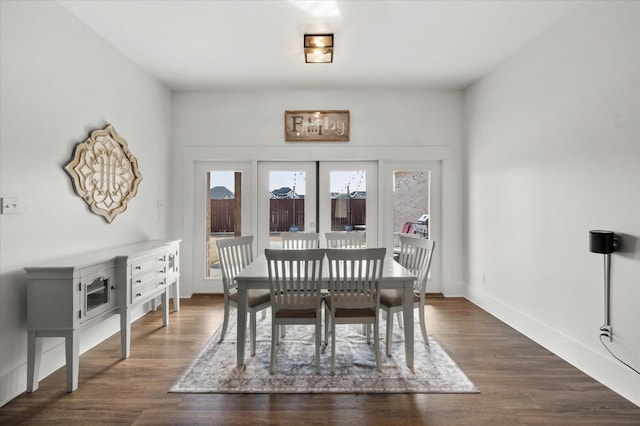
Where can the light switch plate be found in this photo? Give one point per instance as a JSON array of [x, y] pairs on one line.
[[11, 205]]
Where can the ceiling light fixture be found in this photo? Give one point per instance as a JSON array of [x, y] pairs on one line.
[[318, 48]]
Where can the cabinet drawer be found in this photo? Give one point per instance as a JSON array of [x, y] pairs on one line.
[[143, 278], [146, 289], [145, 263]]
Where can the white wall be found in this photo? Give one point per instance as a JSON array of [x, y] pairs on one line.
[[553, 151], [59, 81], [385, 125]]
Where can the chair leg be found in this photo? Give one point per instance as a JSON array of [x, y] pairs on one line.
[[327, 320], [400, 319], [226, 320], [252, 333], [423, 326], [333, 347], [318, 339], [389, 333], [376, 342], [274, 340]]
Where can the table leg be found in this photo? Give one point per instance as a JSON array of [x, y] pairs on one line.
[[407, 310], [242, 324]]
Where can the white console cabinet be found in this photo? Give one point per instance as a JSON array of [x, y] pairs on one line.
[[69, 294]]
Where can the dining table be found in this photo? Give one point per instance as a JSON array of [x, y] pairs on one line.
[[394, 276]]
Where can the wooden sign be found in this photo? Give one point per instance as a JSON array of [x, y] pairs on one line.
[[314, 125]]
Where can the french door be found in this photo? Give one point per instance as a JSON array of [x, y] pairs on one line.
[[286, 200], [326, 196], [223, 209], [348, 198], [411, 192]]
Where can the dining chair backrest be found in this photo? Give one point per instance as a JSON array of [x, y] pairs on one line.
[[415, 255], [234, 254], [300, 240], [295, 277], [354, 276], [346, 239]]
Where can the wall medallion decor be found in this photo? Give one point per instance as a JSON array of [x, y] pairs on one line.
[[104, 172], [303, 126]]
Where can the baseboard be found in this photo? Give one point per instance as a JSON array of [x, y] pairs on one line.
[[596, 365]]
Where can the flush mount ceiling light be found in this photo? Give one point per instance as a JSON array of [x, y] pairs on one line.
[[318, 48]]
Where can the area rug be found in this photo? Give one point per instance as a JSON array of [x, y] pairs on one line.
[[215, 371]]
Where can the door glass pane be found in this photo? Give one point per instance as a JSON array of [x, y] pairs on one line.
[[348, 200], [224, 213], [287, 190], [411, 203]]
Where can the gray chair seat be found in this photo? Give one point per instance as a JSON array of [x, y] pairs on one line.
[[393, 298], [255, 298]]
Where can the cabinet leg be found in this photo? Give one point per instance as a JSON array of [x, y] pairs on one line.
[[72, 352], [164, 298], [34, 353], [125, 333], [176, 295]]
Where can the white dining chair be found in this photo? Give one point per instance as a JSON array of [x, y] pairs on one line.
[[295, 284], [415, 255], [356, 239], [354, 293], [235, 254], [300, 240]]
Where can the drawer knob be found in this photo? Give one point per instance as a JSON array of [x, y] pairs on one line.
[[138, 267], [138, 281], [113, 287], [138, 294]]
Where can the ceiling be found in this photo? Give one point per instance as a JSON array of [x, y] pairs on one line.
[[200, 45]]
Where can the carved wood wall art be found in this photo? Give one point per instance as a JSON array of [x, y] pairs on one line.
[[104, 172]]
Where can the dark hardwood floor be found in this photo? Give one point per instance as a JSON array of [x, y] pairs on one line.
[[521, 383]]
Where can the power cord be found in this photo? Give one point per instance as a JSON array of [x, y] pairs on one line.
[[613, 355]]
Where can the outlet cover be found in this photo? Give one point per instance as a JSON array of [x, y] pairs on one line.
[[11, 205]]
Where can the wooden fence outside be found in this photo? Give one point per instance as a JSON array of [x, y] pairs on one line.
[[282, 215]]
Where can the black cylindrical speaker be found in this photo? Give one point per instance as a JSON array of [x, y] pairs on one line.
[[601, 242]]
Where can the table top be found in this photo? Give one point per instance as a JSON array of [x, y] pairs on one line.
[[392, 271]]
